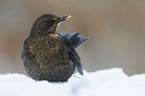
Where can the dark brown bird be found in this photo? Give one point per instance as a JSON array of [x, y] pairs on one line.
[[49, 55]]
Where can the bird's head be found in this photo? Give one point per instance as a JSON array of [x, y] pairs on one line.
[[46, 24]]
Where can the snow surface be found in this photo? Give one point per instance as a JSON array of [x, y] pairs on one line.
[[110, 82]]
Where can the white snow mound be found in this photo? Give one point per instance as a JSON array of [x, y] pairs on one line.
[[111, 82]]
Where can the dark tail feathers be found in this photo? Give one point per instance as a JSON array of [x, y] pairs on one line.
[[75, 39]]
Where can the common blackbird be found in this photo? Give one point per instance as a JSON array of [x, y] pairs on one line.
[[49, 55]]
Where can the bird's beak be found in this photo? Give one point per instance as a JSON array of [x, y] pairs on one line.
[[63, 18]]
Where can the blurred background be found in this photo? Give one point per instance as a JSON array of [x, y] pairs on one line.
[[116, 29]]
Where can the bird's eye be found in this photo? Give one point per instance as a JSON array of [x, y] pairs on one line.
[[54, 20], [50, 21]]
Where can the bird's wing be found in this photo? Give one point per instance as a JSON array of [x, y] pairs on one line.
[[76, 61], [73, 54], [75, 39]]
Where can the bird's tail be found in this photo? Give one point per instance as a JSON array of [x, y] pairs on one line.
[[75, 39]]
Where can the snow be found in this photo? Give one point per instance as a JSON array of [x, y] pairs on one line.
[[110, 82]]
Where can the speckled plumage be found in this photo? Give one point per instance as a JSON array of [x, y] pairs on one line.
[[48, 55]]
